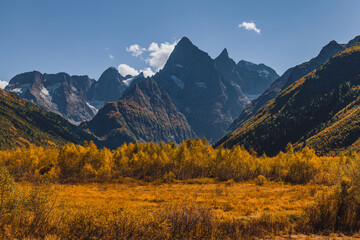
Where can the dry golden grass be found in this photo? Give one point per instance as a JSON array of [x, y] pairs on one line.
[[226, 199]]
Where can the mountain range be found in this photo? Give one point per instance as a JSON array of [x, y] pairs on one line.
[[145, 113], [76, 98], [313, 104], [319, 110], [204, 95], [289, 77], [23, 123]]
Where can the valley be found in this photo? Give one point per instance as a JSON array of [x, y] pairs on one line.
[[194, 120]]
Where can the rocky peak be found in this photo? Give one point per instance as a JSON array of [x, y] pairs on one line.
[[330, 50], [223, 55], [110, 75], [108, 88], [353, 42]]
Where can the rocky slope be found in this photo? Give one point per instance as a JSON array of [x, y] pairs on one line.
[[76, 98], [59, 93], [289, 77], [200, 91], [144, 113], [23, 123], [320, 110], [258, 77], [108, 88]]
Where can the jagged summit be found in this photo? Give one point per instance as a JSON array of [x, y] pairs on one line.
[[200, 91], [184, 41], [223, 54]]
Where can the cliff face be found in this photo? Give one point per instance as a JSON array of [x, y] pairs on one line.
[[144, 113]]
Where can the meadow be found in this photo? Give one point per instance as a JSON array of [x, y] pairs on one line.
[[165, 191]]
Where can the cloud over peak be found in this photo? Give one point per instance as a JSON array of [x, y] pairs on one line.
[[125, 69], [135, 50], [159, 54], [250, 26]]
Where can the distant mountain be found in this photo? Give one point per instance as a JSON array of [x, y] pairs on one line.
[[144, 113], [320, 110], [258, 77], [289, 77], [59, 93], [76, 98], [108, 88], [253, 79], [23, 123], [209, 93], [200, 91]]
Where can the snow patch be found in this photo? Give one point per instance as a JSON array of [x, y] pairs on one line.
[[128, 81], [177, 81], [263, 72], [201, 85], [45, 91], [253, 97], [94, 109], [96, 104], [19, 89]]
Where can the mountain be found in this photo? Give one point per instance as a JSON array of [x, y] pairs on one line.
[[23, 123], [59, 93], [320, 110], [199, 90], [253, 79], [289, 77], [258, 77], [144, 113], [108, 88], [228, 69], [76, 98]]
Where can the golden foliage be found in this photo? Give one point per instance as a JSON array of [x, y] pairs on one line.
[[167, 162]]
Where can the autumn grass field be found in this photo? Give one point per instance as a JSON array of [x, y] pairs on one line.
[[165, 191], [225, 199]]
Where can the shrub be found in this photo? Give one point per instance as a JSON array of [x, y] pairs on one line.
[[339, 209], [260, 180]]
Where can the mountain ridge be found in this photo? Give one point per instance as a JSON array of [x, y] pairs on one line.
[[289, 77], [309, 112]]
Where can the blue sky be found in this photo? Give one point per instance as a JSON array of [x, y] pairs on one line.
[[78, 36]]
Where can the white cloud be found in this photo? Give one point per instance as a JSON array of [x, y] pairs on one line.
[[125, 69], [135, 50], [250, 26], [159, 54], [111, 56], [148, 72], [3, 84]]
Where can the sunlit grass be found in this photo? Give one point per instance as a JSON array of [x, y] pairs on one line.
[[226, 199]]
